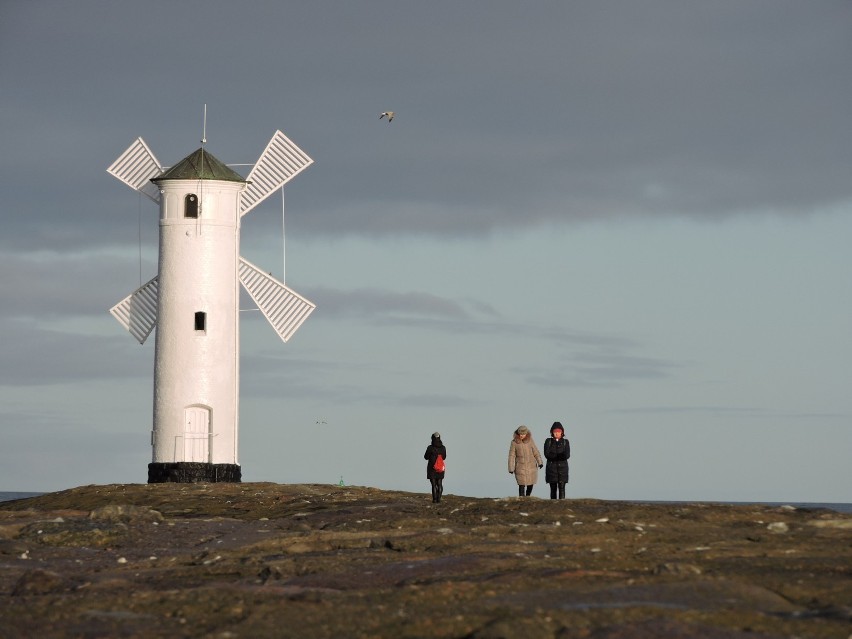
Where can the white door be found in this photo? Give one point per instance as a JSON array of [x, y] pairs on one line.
[[196, 434]]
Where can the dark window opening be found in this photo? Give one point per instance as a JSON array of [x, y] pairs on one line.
[[190, 205], [201, 321]]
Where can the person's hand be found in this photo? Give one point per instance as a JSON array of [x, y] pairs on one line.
[[511, 472], [541, 465]]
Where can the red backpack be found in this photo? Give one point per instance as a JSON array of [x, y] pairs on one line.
[[439, 464]]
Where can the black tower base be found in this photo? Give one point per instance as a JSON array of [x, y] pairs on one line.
[[193, 473]]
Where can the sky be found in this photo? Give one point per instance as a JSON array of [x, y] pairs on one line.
[[630, 217]]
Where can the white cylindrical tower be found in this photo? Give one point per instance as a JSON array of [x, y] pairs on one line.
[[196, 360], [193, 301]]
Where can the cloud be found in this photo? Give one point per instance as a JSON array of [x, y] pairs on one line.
[[378, 303], [633, 115], [583, 358], [47, 285], [276, 375], [506, 118], [598, 369], [729, 411], [34, 356]]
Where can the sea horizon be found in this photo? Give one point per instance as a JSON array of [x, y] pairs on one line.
[[840, 507]]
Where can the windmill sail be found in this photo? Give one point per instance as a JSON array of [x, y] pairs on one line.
[[280, 162], [138, 311], [282, 307], [136, 166]]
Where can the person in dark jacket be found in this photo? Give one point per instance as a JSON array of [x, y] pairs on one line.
[[557, 450], [435, 477]]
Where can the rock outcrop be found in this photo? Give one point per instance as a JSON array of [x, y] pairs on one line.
[[268, 560]]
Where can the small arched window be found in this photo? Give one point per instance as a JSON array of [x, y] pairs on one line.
[[190, 205]]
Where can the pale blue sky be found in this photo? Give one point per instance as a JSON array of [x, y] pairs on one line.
[[630, 217]]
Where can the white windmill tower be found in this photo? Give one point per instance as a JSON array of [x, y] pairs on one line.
[[194, 301]]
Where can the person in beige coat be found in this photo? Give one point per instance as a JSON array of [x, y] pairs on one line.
[[524, 460]]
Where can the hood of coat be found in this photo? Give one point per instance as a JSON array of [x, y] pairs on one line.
[[518, 434]]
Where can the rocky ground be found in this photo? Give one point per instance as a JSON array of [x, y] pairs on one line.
[[268, 560]]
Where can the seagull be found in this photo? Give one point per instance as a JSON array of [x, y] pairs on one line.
[[389, 115]]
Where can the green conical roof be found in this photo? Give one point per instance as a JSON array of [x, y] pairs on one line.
[[200, 165]]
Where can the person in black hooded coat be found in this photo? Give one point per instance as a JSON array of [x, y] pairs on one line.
[[557, 450], [435, 477]]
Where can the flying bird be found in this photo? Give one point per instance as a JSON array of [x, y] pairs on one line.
[[389, 115]]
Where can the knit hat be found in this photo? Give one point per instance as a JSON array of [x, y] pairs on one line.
[[556, 426], [522, 430], [436, 435]]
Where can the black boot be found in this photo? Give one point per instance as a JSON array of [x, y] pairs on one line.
[[520, 491], [529, 491], [561, 490], [553, 491]]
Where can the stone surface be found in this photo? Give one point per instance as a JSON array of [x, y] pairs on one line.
[[252, 560]]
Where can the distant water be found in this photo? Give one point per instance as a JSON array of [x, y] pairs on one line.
[[837, 507], [9, 496], [840, 508]]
